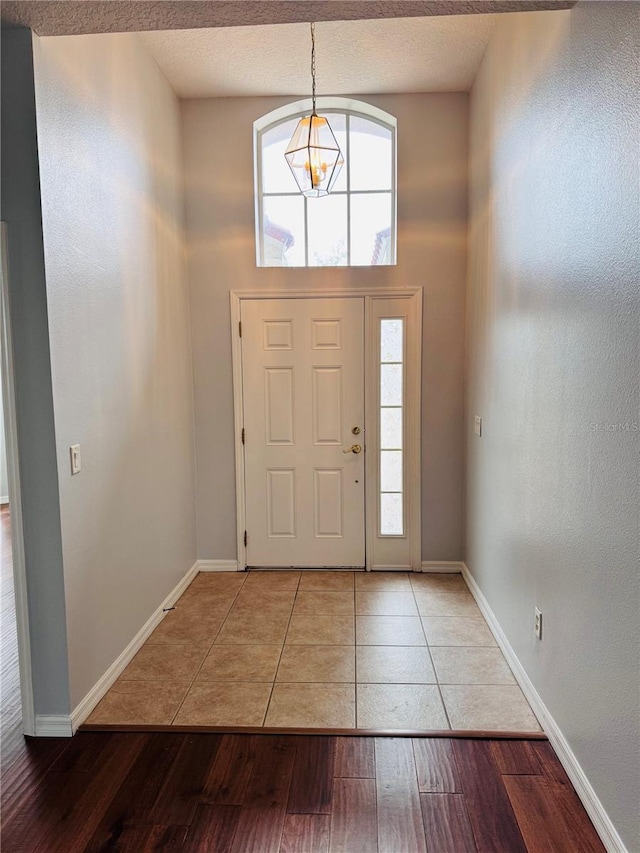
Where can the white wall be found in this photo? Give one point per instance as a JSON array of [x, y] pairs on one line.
[[552, 352], [432, 206], [110, 160]]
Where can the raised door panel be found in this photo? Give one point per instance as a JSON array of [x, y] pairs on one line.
[[327, 503], [327, 405], [281, 503], [279, 404]]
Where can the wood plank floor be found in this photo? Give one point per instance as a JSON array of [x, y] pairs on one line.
[[258, 793]]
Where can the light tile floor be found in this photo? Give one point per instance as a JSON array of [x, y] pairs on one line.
[[321, 649]]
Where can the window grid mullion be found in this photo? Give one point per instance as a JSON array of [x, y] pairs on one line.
[[333, 192]]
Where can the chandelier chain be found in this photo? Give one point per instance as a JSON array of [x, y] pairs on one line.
[[313, 67]]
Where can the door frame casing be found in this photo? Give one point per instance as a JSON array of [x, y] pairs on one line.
[[413, 387], [15, 497]]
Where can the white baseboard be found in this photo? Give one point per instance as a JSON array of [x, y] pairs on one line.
[[596, 811], [218, 566], [86, 705], [442, 567], [53, 725], [426, 566]]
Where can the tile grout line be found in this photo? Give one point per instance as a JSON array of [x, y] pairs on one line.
[[303, 645], [156, 645], [284, 640], [173, 719], [466, 684], [426, 639]]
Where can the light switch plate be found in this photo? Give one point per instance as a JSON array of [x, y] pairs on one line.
[[477, 425], [537, 627], [76, 461]]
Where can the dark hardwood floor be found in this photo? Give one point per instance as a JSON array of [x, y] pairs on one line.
[[256, 793], [140, 792]]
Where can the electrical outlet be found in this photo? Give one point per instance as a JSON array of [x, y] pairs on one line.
[[538, 624], [76, 462], [477, 425]]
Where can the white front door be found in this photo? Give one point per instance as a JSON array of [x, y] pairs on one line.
[[303, 400]]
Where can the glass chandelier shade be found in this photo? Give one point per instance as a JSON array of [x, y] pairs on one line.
[[313, 153], [314, 156]]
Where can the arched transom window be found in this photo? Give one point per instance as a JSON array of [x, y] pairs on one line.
[[353, 226]]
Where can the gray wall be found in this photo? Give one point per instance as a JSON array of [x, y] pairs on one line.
[[553, 368], [432, 206], [32, 368], [4, 478], [112, 207]]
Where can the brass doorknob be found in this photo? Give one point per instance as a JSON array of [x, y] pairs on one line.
[[355, 448]]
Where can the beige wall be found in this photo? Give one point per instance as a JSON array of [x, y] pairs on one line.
[[432, 186], [553, 368], [110, 160]]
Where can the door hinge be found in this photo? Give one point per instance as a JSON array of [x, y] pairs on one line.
[[243, 435], [240, 328], [245, 539]]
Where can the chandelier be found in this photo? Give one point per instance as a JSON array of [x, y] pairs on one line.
[[313, 153]]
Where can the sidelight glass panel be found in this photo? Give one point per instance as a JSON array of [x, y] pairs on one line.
[[391, 460], [391, 340], [391, 429], [391, 520], [391, 471], [390, 384]]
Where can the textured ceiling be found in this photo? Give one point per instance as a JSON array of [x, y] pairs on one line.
[[395, 55], [73, 17]]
